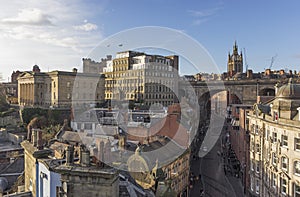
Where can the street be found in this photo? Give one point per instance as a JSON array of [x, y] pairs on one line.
[[210, 166]]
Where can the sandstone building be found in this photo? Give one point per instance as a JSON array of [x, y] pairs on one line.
[[235, 62], [275, 144], [59, 89], [90, 66], [142, 78]]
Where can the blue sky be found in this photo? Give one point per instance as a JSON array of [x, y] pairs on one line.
[[55, 34]]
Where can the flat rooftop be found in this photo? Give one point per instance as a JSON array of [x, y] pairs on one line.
[[8, 146]]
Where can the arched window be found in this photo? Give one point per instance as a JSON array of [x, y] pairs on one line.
[[297, 168]]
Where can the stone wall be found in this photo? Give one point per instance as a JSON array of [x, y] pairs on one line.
[[8, 120]]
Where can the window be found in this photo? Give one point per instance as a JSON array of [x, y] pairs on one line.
[[284, 163], [257, 167], [267, 177], [68, 84], [88, 126], [257, 187], [252, 165], [284, 140], [30, 185], [274, 177], [251, 183], [252, 144], [297, 144], [296, 190], [274, 137], [257, 148], [256, 129], [274, 158], [297, 167], [267, 134], [283, 186]]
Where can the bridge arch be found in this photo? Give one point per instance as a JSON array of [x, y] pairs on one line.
[[217, 101], [266, 91]]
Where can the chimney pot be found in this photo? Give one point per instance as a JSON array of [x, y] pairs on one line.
[[69, 155], [39, 139], [34, 137]]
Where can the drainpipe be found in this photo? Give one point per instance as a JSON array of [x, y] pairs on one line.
[[37, 180]]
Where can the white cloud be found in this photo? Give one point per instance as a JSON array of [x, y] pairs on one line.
[[31, 16], [200, 21], [42, 32], [51, 22], [86, 27], [201, 16], [204, 13]]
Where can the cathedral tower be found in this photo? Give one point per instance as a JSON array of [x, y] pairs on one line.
[[235, 61]]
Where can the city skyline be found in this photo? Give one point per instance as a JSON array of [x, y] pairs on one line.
[[56, 35]]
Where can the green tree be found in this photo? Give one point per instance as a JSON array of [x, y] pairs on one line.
[[4, 106]]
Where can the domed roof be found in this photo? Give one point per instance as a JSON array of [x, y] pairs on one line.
[[289, 91], [3, 184]]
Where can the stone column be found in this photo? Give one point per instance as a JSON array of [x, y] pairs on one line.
[[25, 94], [32, 94], [20, 93]]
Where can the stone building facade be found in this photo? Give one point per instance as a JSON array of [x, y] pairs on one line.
[[48, 176], [90, 66], [142, 78], [167, 169], [59, 89], [275, 144], [239, 139]]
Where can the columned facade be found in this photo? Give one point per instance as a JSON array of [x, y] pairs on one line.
[[55, 89]]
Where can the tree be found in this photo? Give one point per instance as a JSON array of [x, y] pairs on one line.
[[3, 104]]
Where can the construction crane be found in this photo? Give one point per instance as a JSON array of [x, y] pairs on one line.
[[272, 61], [245, 60]]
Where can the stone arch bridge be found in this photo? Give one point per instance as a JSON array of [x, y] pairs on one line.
[[238, 91]]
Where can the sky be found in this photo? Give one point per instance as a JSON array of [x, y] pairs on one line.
[[57, 34]]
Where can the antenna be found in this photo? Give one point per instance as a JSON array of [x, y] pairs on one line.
[[245, 60], [272, 61]]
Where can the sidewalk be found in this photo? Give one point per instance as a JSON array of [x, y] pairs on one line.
[[231, 172]]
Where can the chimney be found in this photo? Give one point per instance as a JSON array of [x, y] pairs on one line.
[[34, 137], [276, 88], [29, 133], [249, 74], [39, 139], [85, 157], [69, 155], [101, 151], [74, 70]]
